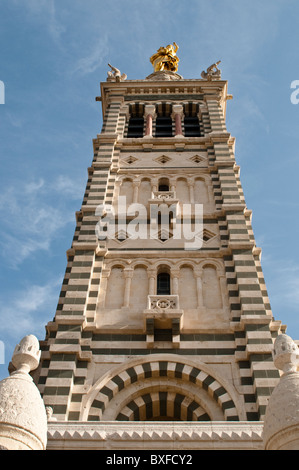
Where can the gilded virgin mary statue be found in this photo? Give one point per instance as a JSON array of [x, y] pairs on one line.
[[165, 58]]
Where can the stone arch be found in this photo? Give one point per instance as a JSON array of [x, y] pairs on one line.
[[116, 263], [216, 264], [188, 263], [141, 262], [179, 375], [163, 263], [163, 405]]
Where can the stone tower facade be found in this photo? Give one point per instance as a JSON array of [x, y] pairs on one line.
[[155, 340]]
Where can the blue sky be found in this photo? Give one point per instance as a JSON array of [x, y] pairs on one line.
[[54, 55]]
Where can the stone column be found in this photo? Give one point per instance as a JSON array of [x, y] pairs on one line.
[[177, 113], [175, 275], [103, 286], [191, 191], [116, 192], [136, 185], [224, 290], [149, 114], [198, 275], [152, 281], [128, 273], [154, 184]]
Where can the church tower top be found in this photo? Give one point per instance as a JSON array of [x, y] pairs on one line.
[[165, 63]]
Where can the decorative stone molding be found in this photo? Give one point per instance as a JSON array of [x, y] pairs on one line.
[[163, 302], [163, 312], [23, 418], [163, 195], [155, 435], [164, 76]]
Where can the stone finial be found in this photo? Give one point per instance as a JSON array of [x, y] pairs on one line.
[[26, 355], [23, 418], [281, 424], [286, 354]]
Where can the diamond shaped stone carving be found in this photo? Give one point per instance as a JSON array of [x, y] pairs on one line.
[[130, 160], [163, 159], [196, 159]]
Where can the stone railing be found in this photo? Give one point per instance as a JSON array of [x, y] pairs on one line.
[[163, 302], [164, 195]]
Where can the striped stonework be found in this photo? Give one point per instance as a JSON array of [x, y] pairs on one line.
[[171, 371], [168, 405], [110, 354]]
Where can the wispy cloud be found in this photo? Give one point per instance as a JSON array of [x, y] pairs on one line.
[[66, 185], [94, 59], [44, 11], [36, 213], [26, 311], [21, 313]]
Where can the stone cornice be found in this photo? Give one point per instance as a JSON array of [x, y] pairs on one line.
[[155, 435]]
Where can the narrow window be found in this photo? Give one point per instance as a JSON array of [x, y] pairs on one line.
[[135, 127], [163, 126], [192, 128], [163, 284]]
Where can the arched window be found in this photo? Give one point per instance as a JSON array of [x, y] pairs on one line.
[[136, 121], [163, 120], [135, 127], [191, 120], [163, 126], [192, 128], [163, 184], [163, 284]]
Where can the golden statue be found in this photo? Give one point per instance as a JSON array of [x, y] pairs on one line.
[[165, 58]]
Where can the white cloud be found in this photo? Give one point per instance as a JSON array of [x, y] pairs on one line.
[[34, 186], [94, 59], [44, 11], [67, 186], [36, 213], [21, 313]]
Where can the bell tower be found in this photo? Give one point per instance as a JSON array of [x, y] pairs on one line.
[[163, 314]]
